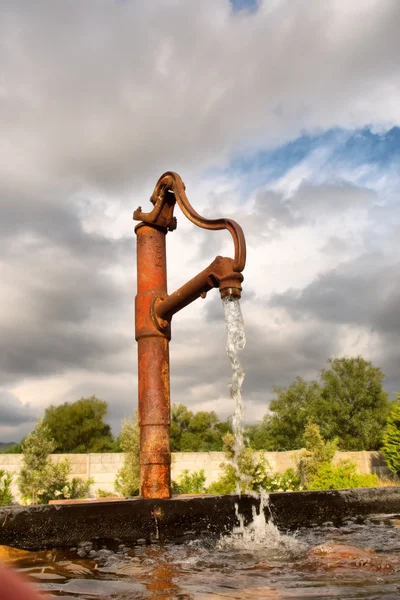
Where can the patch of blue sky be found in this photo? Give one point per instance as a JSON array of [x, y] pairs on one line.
[[249, 5], [361, 157]]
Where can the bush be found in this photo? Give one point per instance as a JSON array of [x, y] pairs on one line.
[[317, 454], [288, 481], [391, 440], [316, 471], [190, 483], [35, 473], [127, 480], [105, 494], [6, 497], [342, 476], [59, 487], [39, 479], [252, 474]]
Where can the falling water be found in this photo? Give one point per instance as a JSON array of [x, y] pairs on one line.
[[236, 340], [259, 532]]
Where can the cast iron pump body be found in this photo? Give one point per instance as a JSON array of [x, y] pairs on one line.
[[154, 310]]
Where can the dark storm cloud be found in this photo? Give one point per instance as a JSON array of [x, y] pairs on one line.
[[13, 412], [121, 398], [272, 357], [360, 292], [50, 349], [59, 298]]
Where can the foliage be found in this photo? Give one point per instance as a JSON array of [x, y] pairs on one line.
[[316, 454], [187, 483], [105, 494], [391, 439], [79, 427], [127, 480], [6, 497], [252, 473], [41, 480], [341, 476], [283, 427], [288, 481], [59, 487], [348, 403], [12, 448], [355, 406], [35, 472], [316, 471], [199, 432]]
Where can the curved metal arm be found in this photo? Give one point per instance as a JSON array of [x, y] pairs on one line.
[[162, 214]]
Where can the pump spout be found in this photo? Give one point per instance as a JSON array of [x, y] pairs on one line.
[[219, 273], [154, 311]]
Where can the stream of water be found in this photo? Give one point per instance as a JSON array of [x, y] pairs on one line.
[[236, 341]]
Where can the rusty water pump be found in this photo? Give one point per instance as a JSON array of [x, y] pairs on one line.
[[154, 311]]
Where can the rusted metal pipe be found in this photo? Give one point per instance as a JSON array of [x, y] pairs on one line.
[[218, 274], [153, 314], [153, 365]]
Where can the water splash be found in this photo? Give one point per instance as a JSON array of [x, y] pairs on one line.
[[236, 340], [259, 534]]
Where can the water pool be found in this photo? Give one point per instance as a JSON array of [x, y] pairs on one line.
[[357, 560]]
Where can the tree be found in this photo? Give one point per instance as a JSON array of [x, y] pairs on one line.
[[127, 480], [79, 427], [391, 439], [12, 448], [199, 432], [283, 427], [354, 405], [348, 403]]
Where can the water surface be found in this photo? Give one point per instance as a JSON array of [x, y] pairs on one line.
[[354, 561]]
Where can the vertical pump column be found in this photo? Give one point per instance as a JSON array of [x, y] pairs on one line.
[[153, 364]]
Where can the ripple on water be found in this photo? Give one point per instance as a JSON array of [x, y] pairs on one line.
[[356, 561]]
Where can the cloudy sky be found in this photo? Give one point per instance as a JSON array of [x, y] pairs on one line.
[[281, 114]]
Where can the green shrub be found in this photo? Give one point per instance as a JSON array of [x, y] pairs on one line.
[[248, 474], [190, 483], [317, 454], [288, 481], [6, 497], [59, 487], [391, 440], [39, 479], [127, 480], [253, 473], [226, 483], [316, 471], [341, 476], [35, 473], [105, 494]]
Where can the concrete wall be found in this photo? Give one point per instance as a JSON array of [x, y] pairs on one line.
[[103, 467]]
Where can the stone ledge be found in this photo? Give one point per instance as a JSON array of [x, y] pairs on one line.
[[182, 517]]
